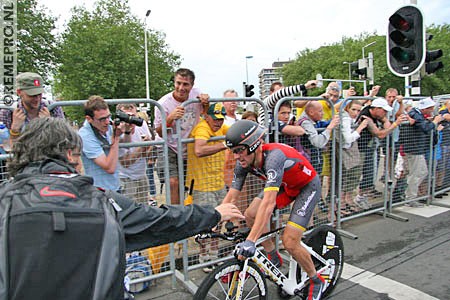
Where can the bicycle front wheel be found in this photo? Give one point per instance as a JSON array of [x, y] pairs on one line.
[[223, 281], [326, 241]]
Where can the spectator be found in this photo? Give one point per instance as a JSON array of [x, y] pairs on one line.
[[351, 158], [150, 160], [189, 117], [332, 93], [278, 91], [133, 161], [30, 105], [100, 152], [49, 148], [230, 107], [207, 157], [286, 125], [445, 113], [378, 128], [313, 142], [416, 147], [250, 115]]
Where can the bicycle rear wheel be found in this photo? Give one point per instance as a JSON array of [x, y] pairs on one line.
[[223, 281], [326, 241]]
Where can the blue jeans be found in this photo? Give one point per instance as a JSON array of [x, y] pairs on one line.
[[151, 179]]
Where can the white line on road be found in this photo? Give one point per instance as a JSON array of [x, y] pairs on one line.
[[395, 290]]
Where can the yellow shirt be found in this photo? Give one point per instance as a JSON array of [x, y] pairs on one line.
[[206, 171], [326, 110]]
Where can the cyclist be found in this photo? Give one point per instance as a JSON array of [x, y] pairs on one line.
[[289, 178]]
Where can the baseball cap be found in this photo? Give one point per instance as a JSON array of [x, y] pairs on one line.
[[217, 111], [380, 102], [425, 103], [30, 83]]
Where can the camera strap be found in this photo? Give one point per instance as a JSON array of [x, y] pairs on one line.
[[105, 143]]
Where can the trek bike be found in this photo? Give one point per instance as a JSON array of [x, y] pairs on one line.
[[236, 279]]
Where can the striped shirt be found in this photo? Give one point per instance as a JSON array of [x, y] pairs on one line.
[[271, 101]]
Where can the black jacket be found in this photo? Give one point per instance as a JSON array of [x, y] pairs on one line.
[[146, 226]]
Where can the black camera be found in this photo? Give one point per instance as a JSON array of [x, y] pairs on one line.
[[124, 117]]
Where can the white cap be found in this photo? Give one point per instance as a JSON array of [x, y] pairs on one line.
[[425, 103], [381, 102]]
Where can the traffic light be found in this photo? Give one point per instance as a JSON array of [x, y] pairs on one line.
[[360, 68], [432, 66], [405, 41], [248, 90]]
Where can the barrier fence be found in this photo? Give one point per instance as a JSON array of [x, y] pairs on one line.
[[378, 173]]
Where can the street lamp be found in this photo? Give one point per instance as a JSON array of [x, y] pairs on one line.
[[349, 72], [246, 65], [366, 47], [147, 82]]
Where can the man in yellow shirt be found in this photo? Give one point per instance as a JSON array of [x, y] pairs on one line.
[[206, 167]]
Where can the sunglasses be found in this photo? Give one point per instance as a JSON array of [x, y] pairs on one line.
[[217, 112], [238, 149]]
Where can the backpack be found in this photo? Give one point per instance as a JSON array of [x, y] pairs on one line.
[[60, 238]]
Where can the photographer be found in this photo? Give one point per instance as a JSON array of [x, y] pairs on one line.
[[100, 138], [133, 161]]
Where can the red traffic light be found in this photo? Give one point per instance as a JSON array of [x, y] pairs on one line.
[[399, 22]]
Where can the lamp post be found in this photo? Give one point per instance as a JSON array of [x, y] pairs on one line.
[[246, 65], [349, 72], [147, 82], [370, 44]]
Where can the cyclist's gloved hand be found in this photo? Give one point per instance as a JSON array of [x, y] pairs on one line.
[[246, 249]]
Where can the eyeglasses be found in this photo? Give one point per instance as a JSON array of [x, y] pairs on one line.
[[238, 149], [108, 117]]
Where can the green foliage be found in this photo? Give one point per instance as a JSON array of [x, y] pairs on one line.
[[328, 61], [37, 45], [102, 53]]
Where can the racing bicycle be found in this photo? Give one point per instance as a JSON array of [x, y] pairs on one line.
[[236, 279]]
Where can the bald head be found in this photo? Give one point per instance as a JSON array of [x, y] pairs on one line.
[[314, 110]]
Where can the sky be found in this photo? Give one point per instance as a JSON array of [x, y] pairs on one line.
[[214, 38]]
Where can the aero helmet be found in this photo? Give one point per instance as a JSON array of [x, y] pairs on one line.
[[245, 133]]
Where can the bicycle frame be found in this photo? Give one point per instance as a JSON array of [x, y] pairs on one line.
[[288, 284]]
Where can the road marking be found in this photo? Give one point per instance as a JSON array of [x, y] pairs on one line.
[[395, 290], [425, 211]]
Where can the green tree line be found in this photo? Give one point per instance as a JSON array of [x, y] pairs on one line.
[[329, 61]]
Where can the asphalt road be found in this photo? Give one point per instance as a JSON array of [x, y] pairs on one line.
[[390, 259]]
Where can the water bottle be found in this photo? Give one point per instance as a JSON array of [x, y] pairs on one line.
[[4, 138]]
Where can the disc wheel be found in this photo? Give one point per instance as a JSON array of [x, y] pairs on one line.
[[326, 241]]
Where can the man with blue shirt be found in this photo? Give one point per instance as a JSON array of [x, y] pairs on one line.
[[100, 153]]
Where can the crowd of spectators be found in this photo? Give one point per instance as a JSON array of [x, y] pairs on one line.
[[361, 129]]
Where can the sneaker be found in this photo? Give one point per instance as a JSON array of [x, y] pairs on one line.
[[316, 285], [275, 259], [414, 204], [362, 201]]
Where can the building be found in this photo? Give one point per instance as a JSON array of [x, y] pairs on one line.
[[267, 76]]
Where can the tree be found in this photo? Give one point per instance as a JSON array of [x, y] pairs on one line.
[[102, 53], [37, 43]]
